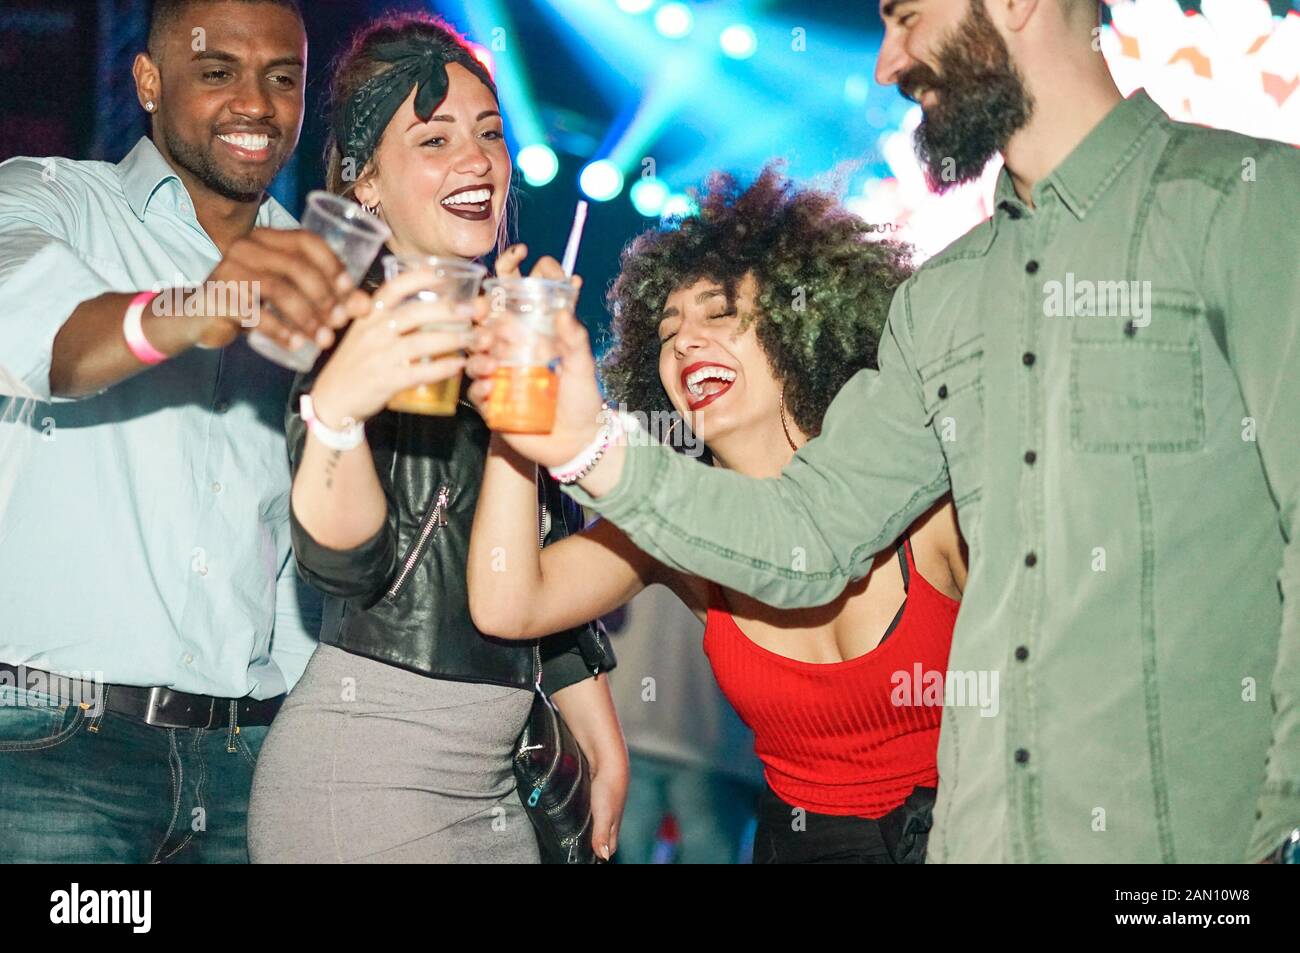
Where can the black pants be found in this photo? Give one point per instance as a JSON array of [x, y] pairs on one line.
[[787, 835]]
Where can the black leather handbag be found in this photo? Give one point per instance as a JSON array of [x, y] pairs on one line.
[[552, 774], [554, 782]]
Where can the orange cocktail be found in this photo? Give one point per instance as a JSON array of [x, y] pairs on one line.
[[522, 313]]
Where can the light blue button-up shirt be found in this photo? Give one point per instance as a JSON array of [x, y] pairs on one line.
[[144, 533]]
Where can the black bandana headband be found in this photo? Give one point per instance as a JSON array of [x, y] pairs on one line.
[[417, 62]]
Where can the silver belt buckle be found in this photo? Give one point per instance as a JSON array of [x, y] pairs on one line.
[[152, 711]]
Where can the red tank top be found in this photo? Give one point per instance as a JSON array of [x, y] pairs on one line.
[[851, 737]]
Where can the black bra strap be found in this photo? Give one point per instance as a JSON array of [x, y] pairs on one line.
[[902, 564], [898, 616]]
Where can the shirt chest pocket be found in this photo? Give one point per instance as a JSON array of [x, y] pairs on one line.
[[954, 405], [1135, 380]]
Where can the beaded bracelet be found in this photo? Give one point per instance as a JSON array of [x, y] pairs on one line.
[[576, 469]]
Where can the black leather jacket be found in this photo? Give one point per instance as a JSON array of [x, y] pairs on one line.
[[405, 592]]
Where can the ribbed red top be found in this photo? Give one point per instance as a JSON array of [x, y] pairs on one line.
[[829, 735]]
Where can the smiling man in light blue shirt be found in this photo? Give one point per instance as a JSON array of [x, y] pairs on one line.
[[152, 619]]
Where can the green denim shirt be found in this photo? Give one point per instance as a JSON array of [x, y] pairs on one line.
[[1126, 468]]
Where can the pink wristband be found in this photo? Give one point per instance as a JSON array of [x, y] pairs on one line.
[[133, 331]]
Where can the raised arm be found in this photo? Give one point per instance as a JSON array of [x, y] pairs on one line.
[[518, 591], [343, 522], [61, 332], [797, 540]]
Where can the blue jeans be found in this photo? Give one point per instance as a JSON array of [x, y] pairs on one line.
[[81, 788], [711, 811]]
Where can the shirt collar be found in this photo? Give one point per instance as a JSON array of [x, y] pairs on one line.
[[144, 172], [1093, 165]]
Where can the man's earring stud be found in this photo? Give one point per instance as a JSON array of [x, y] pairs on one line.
[[149, 106]]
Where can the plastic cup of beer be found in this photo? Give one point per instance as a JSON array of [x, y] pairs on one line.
[[522, 313], [355, 236], [455, 284]]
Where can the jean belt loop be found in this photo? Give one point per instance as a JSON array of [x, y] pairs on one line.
[[99, 716]]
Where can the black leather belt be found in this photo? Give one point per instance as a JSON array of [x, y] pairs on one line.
[[159, 707]]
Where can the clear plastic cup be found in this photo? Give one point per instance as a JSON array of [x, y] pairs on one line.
[[522, 313], [355, 236], [455, 283]]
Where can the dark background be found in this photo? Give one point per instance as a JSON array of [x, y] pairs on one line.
[[66, 89]]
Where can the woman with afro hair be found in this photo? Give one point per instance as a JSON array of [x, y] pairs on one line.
[[743, 323]]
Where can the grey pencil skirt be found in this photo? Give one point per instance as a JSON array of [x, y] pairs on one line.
[[369, 763]]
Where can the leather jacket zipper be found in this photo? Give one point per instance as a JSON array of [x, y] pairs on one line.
[[437, 517]]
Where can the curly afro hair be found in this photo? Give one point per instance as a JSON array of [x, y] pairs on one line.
[[823, 289]]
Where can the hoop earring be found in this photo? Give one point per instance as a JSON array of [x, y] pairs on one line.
[[668, 437], [783, 425]]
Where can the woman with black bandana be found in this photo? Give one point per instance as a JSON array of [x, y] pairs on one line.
[[397, 744]]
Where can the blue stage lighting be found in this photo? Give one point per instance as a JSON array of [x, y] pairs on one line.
[[857, 89], [648, 197], [738, 41], [635, 6], [601, 180], [674, 20], [538, 164], [679, 206]]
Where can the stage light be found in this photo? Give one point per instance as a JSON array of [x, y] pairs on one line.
[[601, 180], [538, 164], [738, 41], [648, 197], [674, 20], [679, 206], [484, 56], [635, 6], [857, 89]]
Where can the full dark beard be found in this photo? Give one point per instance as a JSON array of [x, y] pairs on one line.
[[981, 102], [201, 165]]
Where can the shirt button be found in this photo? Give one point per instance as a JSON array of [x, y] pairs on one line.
[[1022, 653], [1028, 358], [943, 391], [201, 570], [1022, 755], [1031, 560], [189, 659], [216, 488], [1030, 457], [1032, 267]]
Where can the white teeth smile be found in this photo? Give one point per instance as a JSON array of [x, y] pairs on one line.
[[695, 380], [251, 143], [475, 197]]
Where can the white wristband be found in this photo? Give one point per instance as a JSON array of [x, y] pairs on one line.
[[346, 439]]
